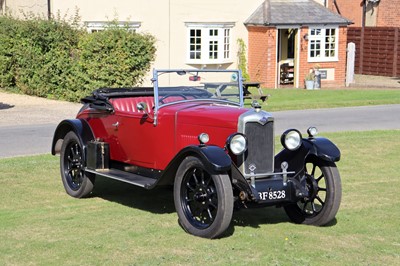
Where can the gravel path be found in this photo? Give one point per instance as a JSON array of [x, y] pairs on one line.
[[14, 110]]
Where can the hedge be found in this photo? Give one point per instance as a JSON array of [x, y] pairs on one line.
[[53, 59]]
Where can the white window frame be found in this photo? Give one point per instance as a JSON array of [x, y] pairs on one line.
[[313, 39], [95, 26], [209, 40]]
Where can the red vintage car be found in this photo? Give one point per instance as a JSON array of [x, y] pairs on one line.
[[191, 130]]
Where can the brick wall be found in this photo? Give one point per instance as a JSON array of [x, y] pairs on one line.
[[262, 55], [263, 62], [388, 13], [339, 66], [349, 9]]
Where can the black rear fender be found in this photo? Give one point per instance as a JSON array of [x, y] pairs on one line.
[[79, 126]]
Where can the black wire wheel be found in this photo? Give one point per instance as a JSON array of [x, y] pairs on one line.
[[72, 162], [324, 192], [203, 201]]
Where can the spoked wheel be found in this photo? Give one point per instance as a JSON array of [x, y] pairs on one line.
[[72, 162], [203, 201], [322, 182]]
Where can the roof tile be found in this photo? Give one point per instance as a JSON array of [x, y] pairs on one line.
[[294, 12]]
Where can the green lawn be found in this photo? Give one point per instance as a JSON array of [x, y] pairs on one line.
[[298, 99], [125, 225]]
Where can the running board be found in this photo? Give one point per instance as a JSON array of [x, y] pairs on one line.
[[127, 177]]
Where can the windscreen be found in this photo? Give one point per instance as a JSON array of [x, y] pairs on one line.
[[188, 85]]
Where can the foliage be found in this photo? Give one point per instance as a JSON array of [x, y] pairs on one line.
[[57, 59], [125, 225], [115, 57], [242, 61], [8, 29]]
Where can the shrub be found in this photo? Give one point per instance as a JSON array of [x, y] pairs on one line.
[[242, 61], [8, 29], [44, 57], [54, 59], [115, 58]]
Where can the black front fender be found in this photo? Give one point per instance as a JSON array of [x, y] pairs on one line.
[[320, 147], [79, 126], [214, 158], [323, 148]]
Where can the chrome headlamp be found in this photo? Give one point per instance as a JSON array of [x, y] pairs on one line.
[[312, 131], [291, 139], [203, 138], [236, 143]]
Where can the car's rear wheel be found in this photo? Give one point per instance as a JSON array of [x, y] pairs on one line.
[[203, 201], [323, 184], [72, 162]]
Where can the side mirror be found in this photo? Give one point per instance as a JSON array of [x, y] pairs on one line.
[[142, 106]]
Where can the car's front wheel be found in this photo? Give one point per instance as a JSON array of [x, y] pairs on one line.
[[323, 184], [203, 201], [72, 162]]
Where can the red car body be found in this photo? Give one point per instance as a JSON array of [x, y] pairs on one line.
[[135, 140], [191, 130]]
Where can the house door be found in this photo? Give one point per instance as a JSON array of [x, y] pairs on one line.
[[286, 57]]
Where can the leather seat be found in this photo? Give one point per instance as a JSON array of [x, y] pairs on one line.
[[129, 105]]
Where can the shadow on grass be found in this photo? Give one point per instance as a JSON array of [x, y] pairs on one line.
[[254, 217], [265, 215], [160, 201]]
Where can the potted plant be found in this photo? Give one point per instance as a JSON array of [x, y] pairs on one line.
[[309, 81]]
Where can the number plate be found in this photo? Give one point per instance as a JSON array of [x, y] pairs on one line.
[[273, 195]]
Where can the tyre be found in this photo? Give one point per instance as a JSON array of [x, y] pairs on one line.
[[203, 201], [322, 182], [72, 162]]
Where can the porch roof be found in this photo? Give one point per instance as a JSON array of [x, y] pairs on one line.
[[294, 12]]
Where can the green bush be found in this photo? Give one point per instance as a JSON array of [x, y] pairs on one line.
[[242, 61], [56, 60], [44, 57], [8, 29], [115, 57]]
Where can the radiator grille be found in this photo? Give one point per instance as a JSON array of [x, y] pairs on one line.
[[260, 152]]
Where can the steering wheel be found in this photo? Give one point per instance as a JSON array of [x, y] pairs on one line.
[[172, 94]]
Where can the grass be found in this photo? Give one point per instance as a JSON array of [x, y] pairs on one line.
[[298, 99], [124, 225]]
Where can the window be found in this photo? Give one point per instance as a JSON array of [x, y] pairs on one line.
[[213, 42], [227, 41], [195, 44], [209, 44], [322, 44], [96, 26]]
